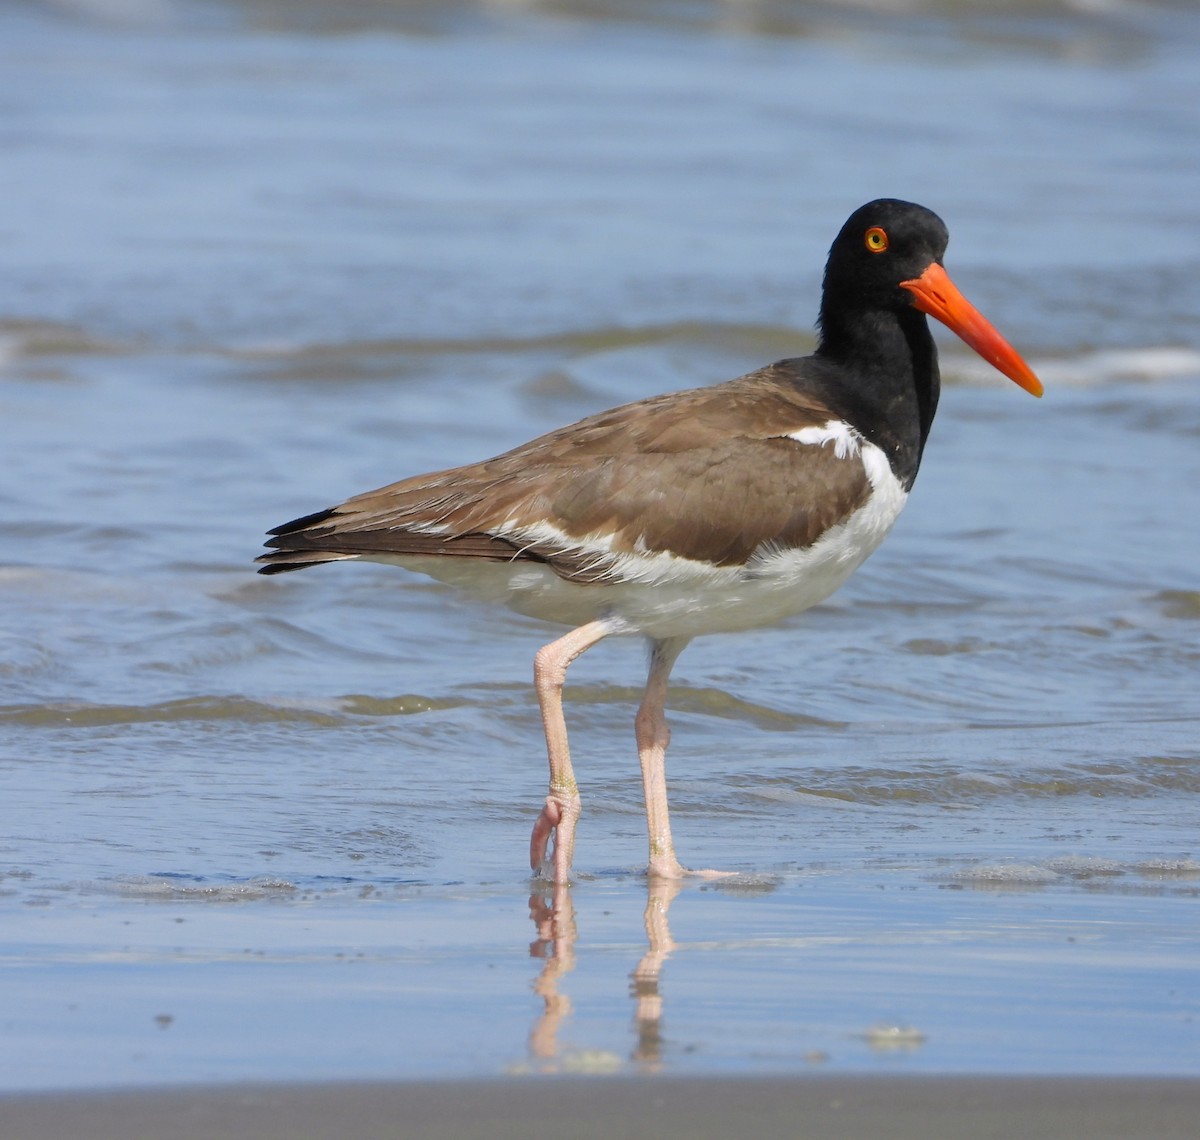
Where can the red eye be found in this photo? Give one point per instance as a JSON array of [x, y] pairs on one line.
[[876, 239]]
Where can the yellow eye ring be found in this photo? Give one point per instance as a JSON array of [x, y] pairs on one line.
[[876, 239]]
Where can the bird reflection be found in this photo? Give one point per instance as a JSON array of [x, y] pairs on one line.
[[553, 916]]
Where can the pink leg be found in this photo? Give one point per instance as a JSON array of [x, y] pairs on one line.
[[562, 808], [653, 736]]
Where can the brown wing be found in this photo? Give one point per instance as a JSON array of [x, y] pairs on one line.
[[708, 475]]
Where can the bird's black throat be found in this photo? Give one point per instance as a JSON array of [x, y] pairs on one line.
[[881, 373]]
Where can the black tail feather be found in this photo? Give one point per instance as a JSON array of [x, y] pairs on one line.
[[281, 567], [304, 522]]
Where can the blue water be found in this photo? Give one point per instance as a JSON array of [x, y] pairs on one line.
[[257, 257]]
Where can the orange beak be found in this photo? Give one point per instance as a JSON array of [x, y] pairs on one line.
[[934, 293]]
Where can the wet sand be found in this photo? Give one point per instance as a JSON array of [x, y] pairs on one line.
[[832, 1108]]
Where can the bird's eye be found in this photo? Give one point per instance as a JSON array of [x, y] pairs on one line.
[[876, 239]]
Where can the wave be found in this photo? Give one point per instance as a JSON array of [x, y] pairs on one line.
[[385, 357], [331, 712]]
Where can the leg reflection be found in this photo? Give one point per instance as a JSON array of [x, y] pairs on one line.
[[553, 915], [648, 1008]]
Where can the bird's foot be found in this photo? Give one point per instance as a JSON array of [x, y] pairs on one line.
[[666, 866], [557, 818]]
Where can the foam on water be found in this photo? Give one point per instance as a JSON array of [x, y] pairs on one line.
[[1108, 366]]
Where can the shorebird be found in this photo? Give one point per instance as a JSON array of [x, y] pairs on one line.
[[710, 510]]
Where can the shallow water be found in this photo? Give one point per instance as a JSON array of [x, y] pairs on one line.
[[259, 257]]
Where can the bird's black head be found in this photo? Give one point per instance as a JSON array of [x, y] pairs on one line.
[[882, 244], [884, 271]]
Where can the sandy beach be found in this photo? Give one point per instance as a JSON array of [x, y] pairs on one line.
[[832, 1108]]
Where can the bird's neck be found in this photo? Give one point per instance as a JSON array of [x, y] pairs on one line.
[[889, 363]]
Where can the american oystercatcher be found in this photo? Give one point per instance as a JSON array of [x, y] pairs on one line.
[[704, 511]]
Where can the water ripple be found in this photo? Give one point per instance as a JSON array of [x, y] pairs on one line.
[[329, 713]]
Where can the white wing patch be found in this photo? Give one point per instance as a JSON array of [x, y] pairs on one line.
[[846, 441]]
